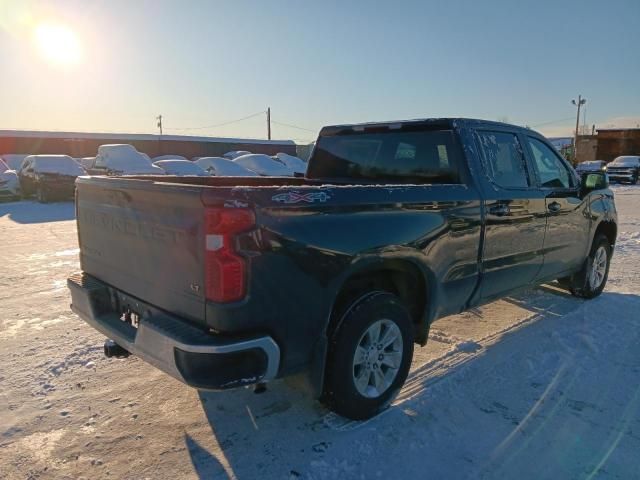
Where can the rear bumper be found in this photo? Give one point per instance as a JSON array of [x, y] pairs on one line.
[[63, 189], [190, 354]]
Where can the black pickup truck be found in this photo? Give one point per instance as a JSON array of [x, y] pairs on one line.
[[223, 282]]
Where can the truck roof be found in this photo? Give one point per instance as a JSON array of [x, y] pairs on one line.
[[444, 122]]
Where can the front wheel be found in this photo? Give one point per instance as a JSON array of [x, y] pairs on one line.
[[591, 280], [369, 356]]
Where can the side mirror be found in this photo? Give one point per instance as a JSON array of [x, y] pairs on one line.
[[594, 181]]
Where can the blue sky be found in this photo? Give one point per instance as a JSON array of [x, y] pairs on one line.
[[314, 63]]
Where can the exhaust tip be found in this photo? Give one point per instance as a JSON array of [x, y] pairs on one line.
[[113, 350]]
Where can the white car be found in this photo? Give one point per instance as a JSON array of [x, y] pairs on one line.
[[221, 167], [123, 159], [9, 182], [294, 163], [264, 165], [167, 157], [181, 168], [232, 155], [14, 160]]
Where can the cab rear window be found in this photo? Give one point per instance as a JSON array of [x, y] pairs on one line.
[[431, 156]]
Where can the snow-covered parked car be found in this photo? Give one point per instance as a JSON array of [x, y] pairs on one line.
[[167, 157], [14, 160], [264, 165], [296, 164], [221, 167], [624, 169], [9, 182], [87, 162], [181, 168], [49, 177], [232, 155], [123, 159]]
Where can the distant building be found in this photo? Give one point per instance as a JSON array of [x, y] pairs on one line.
[[614, 142], [587, 148], [78, 144]]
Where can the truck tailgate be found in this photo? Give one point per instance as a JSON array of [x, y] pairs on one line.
[[146, 239]]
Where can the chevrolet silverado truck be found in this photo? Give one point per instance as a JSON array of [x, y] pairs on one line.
[[222, 282]]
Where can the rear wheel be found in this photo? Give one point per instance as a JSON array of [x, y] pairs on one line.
[[591, 280], [369, 357]]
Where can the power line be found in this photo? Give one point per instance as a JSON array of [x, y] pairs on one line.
[[552, 121], [220, 124], [293, 126]]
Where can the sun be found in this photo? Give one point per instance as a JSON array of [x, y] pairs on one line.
[[57, 43]]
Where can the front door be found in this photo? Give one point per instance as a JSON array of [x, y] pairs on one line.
[[514, 217], [567, 238]]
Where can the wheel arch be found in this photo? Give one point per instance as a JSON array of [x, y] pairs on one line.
[[402, 277], [609, 229]]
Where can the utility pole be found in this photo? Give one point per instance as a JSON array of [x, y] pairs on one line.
[[269, 123], [581, 101], [159, 125]]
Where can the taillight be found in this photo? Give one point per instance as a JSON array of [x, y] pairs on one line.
[[225, 270]]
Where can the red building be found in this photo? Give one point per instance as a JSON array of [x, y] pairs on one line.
[[78, 144]]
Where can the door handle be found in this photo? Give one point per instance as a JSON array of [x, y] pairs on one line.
[[554, 207], [500, 210]]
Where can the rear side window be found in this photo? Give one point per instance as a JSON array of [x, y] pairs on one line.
[[390, 156], [504, 159], [552, 171]]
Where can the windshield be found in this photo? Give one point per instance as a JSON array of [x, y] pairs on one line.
[[626, 161], [391, 156], [57, 164], [590, 164]]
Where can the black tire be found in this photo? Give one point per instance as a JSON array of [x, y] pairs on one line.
[[340, 391], [580, 284], [41, 195]]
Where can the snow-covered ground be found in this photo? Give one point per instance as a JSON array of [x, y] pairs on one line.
[[540, 385]]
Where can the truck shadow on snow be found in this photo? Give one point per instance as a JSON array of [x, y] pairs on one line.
[[506, 391], [34, 212]]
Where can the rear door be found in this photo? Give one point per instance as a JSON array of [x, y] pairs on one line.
[[568, 220], [514, 215], [145, 239]]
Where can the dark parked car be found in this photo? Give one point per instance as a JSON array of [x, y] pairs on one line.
[[49, 177], [624, 169], [223, 282], [591, 166]]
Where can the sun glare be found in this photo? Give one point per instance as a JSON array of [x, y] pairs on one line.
[[58, 43]]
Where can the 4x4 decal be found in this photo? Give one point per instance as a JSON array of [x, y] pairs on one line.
[[295, 197]]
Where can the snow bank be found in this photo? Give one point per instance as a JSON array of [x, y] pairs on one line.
[[264, 165], [221, 167], [62, 164]]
